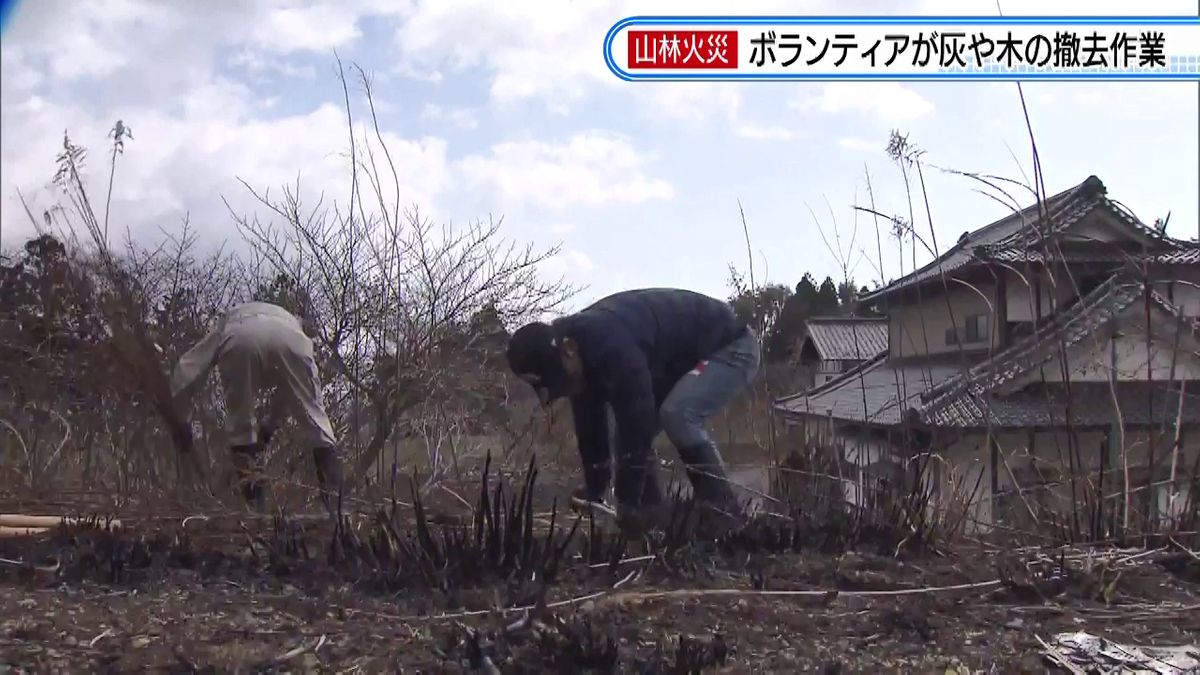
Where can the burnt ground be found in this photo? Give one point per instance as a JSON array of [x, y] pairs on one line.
[[415, 590]]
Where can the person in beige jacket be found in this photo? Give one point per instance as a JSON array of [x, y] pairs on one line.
[[257, 348]]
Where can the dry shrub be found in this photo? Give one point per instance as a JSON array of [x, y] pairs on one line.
[[409, 318]]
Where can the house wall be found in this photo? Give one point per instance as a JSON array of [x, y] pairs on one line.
[[1184, 290], [857, 449], [964, 480], [1100, 225], [916, 330], [866, 460], [1132, 355], [921, 329], [1022, 302], [828, 367], [1032, 469]]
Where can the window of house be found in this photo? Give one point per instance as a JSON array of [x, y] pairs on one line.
[[975, 329]]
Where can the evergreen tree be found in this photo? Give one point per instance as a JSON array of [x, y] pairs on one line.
[[784, 312], [826, 303], [795, 312]]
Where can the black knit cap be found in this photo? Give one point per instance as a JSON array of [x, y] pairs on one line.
[[534, 350]]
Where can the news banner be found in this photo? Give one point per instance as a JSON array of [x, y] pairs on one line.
[[904, 48]]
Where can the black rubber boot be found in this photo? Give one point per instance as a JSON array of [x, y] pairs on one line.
[[706, 471], [649, 511], [328, 461], [596, 479], [592, 497], [637, 521], [716, 505], [247, 460]]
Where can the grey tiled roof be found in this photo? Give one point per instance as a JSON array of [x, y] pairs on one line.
[[878, 392], [945, 392], [945, 402], [1187, 254], [962, 253], [1090, 404], [1017, 237], [950, 393], [967, 397], [1085, 197], [847, 338]]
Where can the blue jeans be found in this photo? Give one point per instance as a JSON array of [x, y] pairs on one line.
[[683, 416]]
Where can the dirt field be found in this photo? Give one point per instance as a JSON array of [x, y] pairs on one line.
[[406, 592]]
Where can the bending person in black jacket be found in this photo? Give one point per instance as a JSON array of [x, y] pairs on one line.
[[662, 359]]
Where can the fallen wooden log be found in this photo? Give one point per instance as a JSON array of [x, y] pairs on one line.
[[23, 520]]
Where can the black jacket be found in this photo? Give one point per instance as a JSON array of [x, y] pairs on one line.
[[635, 346]]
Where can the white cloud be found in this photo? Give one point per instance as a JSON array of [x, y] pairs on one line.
[[236, 89], [87, 58], [317, 27], [1115, 98], [547, 51], [691, 103], [196, 130], [163, 69], [860, 144], [261, 65], [889, 102], [578, 260], [531, 48], [92, 40], [460, 118], [696, 104], [591, 168], [19, 74], [138, 42], [571, 264], [186, 164], [759, 132], [551, 52]]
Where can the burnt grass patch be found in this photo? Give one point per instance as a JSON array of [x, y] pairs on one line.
[[580, 645], [406, 548], [525, 586]]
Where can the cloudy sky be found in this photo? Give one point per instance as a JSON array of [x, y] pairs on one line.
[[507, 109]]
